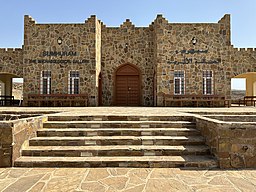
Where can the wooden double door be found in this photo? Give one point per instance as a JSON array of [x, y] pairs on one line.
[[127, 86]]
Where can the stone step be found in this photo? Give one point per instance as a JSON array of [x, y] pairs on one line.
[[118, 118], [117, 140], [117, 150], [118, 124], [51, 132], [136, 161]]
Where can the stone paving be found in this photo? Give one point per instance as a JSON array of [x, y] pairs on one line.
[[125, 180], [147, 111]]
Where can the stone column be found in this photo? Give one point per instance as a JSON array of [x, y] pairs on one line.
[[8, 86], [251, 85]]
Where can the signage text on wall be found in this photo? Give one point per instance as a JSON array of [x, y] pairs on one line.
[[59, 61], [187, 60]]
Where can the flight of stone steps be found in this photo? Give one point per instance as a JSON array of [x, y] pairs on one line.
[[117, 141]]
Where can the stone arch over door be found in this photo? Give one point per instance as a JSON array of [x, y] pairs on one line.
[[127, 85], [6, 83]]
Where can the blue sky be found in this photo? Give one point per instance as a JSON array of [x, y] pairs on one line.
[[141, 13]]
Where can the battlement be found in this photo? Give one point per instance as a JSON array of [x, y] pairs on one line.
[[160, 19], [245, 49], [225, 19], [127, 24], [10, 50], [29, 19], [92, 18]]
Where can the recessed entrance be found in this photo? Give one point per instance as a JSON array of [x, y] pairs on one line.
[[127, 86]]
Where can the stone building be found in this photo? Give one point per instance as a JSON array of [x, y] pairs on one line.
[[127, 65]]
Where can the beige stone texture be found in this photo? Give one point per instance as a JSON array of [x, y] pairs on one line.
[[13, 135], [154, 49], [127, 44]]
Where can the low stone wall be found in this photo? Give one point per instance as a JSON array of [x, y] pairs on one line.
[[233, 143], [234, 118], [13, 135]]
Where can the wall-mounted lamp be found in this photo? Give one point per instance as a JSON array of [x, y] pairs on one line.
[[194, 40], [59, 41], [126, 47]]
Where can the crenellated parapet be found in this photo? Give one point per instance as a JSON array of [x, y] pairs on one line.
[[242, 50], [29, 19], [242, 60], [127, 24], [10, 50], [11, 61]]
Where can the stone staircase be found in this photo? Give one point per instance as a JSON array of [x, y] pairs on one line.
[[117, 141]]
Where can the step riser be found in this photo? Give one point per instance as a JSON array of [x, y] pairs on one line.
[[148, 164], [115, 133], [118, 125], [111, 142], [119, 118], [101, 151], [87, 153]]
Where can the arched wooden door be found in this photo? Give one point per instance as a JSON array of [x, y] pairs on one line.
[[127, 86]]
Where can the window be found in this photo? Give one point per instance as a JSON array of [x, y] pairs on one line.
[[179, 82], [73, 82], [207, 83], [45, 82]]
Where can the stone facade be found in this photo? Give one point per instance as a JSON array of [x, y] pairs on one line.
[[11, 61], [78, 38], [13, 135], [231, 139], [140, 52], [157, 51]]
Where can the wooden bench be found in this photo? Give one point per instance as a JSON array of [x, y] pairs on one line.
[[6, 100], [197, 100], [58, 100], [238, 102], [249, 100]]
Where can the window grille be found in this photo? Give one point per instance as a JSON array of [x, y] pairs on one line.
[[73, 82], [207, 82], [45, 82], [179, 82]]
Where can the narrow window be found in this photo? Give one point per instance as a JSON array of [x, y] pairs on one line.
[[179, 82], [207, 82], [45, 82], [73, 82]]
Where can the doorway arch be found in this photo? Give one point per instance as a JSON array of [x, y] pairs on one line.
[[250, 78], [127, 86]]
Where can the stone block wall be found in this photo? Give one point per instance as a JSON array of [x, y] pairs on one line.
[[242, 60], [174, 45], [11, 61], [13, 135], [233, 143], [6, 144], [127, 44], [157, 50], [79, 38]]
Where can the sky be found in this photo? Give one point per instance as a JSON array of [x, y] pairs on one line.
[[140, 12]]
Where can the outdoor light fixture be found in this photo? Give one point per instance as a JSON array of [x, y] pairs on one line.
[[126, 47], [194, 40], [59, 41]]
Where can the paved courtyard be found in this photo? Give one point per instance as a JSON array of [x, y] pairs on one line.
[[147, 111], [125, 179]]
